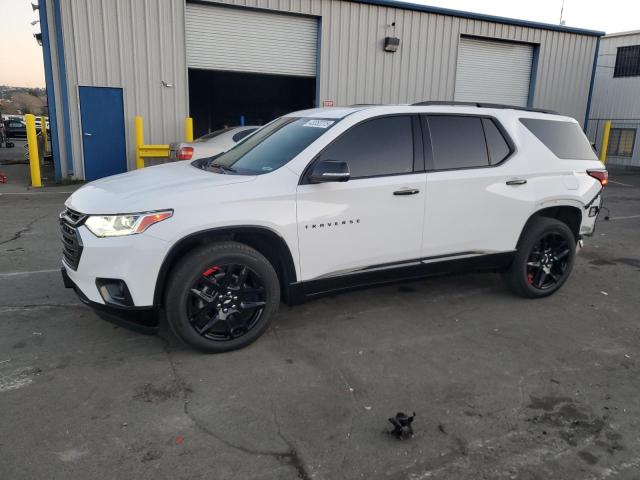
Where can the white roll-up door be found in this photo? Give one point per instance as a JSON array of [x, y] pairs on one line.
[[243, 40], [493, 72]]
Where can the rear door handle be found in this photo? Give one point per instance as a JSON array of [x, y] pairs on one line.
[[408, 191], [517, 181], [87, 134]]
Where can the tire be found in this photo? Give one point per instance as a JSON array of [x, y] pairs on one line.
[[539, 269], [221, 297]]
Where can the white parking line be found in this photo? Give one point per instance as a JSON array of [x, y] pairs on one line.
[[620, 183], [34, 272], [625, 218], [17, 379], [36, 193]]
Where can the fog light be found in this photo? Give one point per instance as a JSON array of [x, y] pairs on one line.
[[593, 211], [114, 292]]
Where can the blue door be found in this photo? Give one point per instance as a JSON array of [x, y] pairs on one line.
[[103, 138]]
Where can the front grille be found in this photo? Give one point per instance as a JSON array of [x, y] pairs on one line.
[[71, 242]]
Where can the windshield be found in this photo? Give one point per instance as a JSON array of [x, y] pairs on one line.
[[271, 147]]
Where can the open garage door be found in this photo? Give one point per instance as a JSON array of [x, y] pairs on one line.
[[226, 99], [247, 65], [493, 72]]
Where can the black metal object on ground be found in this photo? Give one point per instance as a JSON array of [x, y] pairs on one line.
[[402, 427]]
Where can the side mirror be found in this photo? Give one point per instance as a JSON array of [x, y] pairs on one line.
[[329, 171]]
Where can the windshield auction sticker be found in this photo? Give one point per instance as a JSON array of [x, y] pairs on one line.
[[319, 123]]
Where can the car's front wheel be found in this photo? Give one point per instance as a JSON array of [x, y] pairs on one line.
[[544, 259], [221, 297]]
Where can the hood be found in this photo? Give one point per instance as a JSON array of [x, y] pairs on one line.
[[151, 188]]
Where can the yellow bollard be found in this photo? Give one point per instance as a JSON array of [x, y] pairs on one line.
[[605, 141], [139, 128], [32, 142], [43, 130], [188, 129]]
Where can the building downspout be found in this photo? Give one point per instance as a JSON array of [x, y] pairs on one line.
[[64, 95], [593, 80], [50, 87]]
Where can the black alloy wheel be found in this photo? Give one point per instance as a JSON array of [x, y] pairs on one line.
[[543, 260], [548, 261], [226, 302], [221, 296]]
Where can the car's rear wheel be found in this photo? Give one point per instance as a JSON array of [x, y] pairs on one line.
[[544, 259], [221, 297]]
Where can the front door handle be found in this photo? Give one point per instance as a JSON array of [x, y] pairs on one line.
[[87, 134], [407, 191], [516, 181]]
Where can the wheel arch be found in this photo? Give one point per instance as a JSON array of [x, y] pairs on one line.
[[264, 240], [568, 214]]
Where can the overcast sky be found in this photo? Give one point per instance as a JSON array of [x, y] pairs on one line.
[[21, 57], [607, 16]]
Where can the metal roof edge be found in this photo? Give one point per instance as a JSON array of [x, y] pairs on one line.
[[479, 16], [622, 34]]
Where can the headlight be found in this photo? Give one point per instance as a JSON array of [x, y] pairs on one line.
[[119, 225]]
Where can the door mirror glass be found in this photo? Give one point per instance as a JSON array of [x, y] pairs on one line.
[[329, 171]]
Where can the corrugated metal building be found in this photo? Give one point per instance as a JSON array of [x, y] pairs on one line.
[[227, 61], [616, 97]]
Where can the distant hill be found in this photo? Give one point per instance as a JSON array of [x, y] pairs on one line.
[[21, 100]]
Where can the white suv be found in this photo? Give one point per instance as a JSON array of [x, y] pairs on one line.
[[330, 199]]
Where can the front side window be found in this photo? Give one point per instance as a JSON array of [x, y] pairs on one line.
[[627, 61], [458, 142], [271, 147], [565, 139], [381, 146], [621, 142]]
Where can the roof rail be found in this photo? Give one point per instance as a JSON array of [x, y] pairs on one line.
[[480, 105]]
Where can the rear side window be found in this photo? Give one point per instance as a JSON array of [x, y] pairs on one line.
[[457, 142], [565, 139], [497, 146], [382, 146]]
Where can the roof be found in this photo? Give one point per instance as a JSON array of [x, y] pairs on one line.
[[479, 16], [425, 107], [327, 112], [622, 34]]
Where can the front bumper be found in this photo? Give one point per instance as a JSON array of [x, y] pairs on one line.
[[141, 319], [135, 259]]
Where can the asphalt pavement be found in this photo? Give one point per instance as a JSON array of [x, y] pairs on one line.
[[502, 388]]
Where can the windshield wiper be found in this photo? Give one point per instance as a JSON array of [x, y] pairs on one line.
[[222, 167]]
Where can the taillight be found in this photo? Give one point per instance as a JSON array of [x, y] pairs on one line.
[[185, 153], [601, 175]]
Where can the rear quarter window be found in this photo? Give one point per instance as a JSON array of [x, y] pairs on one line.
[[565, 139]]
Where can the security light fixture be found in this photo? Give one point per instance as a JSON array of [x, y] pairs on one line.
[[38, 37], [35, 6], [391, 44]]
